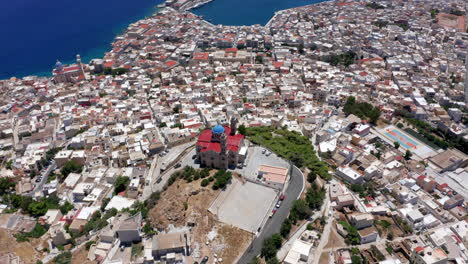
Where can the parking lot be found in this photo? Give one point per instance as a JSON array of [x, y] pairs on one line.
[[244, 205], [255, 158]]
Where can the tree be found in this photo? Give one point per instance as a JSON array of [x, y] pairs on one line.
[[69, 167], [408, 154], [205, 182], [390, 236], [311, 177], [396, 145], [6, 184], [271, 246], [285, 228], [356, 260], [242, 130], [299, 211], [121, 184], [399, 125]]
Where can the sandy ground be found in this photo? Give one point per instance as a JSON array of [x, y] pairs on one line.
[[25, 250], [81, 257], [324, 258], [227, 242], [335, 240]]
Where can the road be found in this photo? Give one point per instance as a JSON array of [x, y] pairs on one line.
[[273, 225], [45, 175], [154, 173]]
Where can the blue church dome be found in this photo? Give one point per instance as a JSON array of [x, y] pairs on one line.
[[218, 129], [58, 64]]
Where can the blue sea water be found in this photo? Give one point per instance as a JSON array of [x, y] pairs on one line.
[[35, 33], [246, 12]]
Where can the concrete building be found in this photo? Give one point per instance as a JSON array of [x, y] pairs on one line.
[[273, 176], [299, 252], [129, 229], [350, 175], [361, 221], [166, 244], [428, 255]]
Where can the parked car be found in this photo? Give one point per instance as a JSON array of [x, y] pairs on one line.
[[278, 204], [282, 197], [178, 165], [268, 153], [263, 151], [204, 260]]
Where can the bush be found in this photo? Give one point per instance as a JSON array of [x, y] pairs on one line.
[[63, 258], [205, 182], [89, 244], [285, 228], [121, 184], [271, 246], [69, 167]]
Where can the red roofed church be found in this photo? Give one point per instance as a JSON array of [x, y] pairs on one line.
[[220, 147]]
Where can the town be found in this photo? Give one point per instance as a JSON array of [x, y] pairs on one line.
[[336, 133]]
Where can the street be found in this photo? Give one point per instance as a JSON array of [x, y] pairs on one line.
[[273, 225]]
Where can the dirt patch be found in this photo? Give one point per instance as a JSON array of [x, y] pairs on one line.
[[81, 257], [324, 258], [25, 250], [383, 231], [335, 240], [184, 203]]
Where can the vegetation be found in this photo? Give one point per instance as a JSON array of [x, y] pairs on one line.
[[363, 110], [70, 166], [285, 228], [63, 258], [431, 135], [114, 72], [35, 208], [345, 59], [271, 246], [364, 190], [222, 178], [6, 185], [291, 146], [434, 13], [381, 23], [89, 244], [37, 232], [408, 155], [121, 184], [315, 196], [403, 24], [374, 5], [396, 144], [352, 238], [299, 211], [242, 130]]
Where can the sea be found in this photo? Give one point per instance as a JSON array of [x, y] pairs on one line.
[[37, 33]]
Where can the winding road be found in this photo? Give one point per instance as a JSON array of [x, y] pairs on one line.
[[273, 225]]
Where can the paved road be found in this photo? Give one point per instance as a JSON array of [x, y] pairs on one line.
[[273, 225]]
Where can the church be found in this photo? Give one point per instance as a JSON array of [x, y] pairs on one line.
[[220, 147]]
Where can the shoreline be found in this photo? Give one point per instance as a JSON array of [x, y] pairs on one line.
[[187, 7]]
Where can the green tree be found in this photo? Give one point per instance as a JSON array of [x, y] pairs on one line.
[[205, 182], [242, 130], [311, 176], [6, 185], [121, 184], [299, 211], [396, 145], [408, 154], [63, 258], [356, 260], [390, 236], [285, 228], [69, 167]]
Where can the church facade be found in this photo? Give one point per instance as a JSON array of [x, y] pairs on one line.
[[219, 147]]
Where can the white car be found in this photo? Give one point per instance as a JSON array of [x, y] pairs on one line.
[[263, 151]]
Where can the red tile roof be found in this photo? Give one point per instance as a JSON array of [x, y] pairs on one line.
[[233, 142]]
